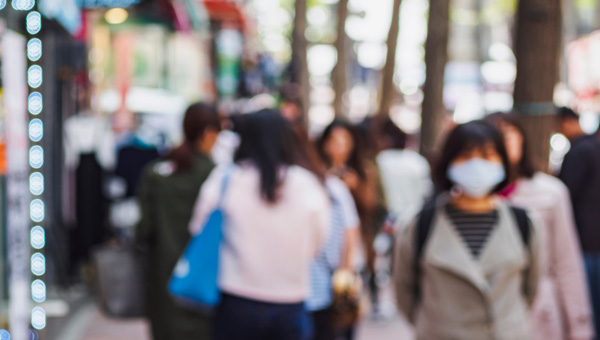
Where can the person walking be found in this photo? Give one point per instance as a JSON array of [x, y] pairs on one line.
[[342, 153], [167, 194], [277, 218], [405, 174], [468, 267], [581, 174], [336, 254], [562, 310]]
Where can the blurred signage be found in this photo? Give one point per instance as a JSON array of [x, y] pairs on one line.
[[92, 4], [584, 70], [66, 12]]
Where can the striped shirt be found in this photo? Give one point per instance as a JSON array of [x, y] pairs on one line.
[[343, 217], [474, 229]]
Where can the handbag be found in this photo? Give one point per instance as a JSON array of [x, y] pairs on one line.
[[346, 306], [194, 279], [120, 273]]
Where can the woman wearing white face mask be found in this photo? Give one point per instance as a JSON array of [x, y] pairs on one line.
[[468, 267]]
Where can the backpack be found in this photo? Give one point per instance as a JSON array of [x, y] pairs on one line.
[[425, 224]]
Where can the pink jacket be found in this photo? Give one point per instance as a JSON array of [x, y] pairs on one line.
[[562, 309]]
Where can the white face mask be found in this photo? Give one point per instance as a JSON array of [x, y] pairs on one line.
[[477, 177]]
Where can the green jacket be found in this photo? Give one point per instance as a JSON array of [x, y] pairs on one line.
[[167, 199]]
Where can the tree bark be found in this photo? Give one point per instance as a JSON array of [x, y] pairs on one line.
[[339, 72], [436, 56], [387, 84], [299, 49], [537, 48]]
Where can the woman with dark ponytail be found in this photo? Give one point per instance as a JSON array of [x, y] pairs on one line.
[[168, 191]]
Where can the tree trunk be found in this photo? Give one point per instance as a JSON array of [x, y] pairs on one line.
[[537, 48], [436, 56], [339, 72], [299, 49], [387, 84]]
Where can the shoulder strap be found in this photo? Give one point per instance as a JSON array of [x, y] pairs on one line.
[[522, 223], [423, 229], [225, 184]]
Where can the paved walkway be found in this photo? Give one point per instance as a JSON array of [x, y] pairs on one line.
[[102, 328]]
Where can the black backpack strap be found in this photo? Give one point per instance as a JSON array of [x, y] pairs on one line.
[[523, 224], [423, 229]]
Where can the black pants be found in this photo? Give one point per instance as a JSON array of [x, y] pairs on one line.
[[323, 325], [324, 328], [243, 319]]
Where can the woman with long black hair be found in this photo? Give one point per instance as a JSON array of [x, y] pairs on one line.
[[341, 148], [277, 218]]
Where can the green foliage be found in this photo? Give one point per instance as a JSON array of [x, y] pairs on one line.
[[586, 4], [505, 6]]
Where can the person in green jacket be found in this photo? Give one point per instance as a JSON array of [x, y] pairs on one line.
[[168, 191]]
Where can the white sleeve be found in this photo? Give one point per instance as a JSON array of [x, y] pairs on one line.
[[320, 210], [351, 219], [207, 201], [342, 195]]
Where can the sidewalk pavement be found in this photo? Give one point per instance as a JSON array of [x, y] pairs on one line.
[[103, 328]]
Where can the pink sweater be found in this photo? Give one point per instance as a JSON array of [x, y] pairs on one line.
[[267, 248], [562, 309]]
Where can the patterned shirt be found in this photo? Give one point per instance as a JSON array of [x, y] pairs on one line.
[[474, 229], [343, 217]]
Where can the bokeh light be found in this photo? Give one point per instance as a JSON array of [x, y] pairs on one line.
[[38, 318], [34, 23], [36, 130], [38, 237], [34, 49], [37, 210], [38, 264], [35, 103]]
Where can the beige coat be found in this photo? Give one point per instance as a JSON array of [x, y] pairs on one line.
[[562, 309], [463, 298]]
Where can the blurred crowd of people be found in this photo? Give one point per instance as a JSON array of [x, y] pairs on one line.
[[486, 246]]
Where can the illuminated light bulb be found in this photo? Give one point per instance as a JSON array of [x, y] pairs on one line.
[[38, 237], [34, 23], [37, 210], [23, 5], [35, 76], [36, 157], [38, 291], [38, 318], [38, 264], [35, 103], [34, 49], [116, 16], [36, 184], [36, 130]]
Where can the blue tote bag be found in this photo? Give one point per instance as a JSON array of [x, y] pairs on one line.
[[194, 279]]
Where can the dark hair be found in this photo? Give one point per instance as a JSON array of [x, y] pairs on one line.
[[356, 158], [198, 117], [566, 113], [308, 157], [267, 140], [466, 137], [392, 135], [526, 167], [366, 132]]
